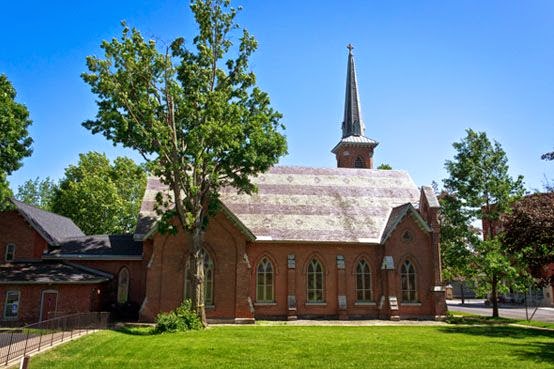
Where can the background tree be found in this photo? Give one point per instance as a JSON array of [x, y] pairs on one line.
[[458, 240], [194, 112], [38, 192], [15, 143], [529, 231], [548, 185], [479, 179], [101, 197], [384, 166]]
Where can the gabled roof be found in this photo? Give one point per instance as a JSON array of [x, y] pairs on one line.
[[299, 204], [395, 218], [44, 272], [97, 247], [52, 227]]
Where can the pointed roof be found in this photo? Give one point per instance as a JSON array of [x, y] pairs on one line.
[[352, 125], [52, 227]]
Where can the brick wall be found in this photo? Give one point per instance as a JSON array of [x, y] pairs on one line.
[[14, 229], [346, 156], [165, 275], [72, 298]]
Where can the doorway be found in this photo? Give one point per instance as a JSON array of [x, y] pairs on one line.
[[48, 304]]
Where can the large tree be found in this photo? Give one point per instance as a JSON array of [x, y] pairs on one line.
[[38, 192], [529, 231], [479, 179], [101, 197], [15, 143], [193, 110]]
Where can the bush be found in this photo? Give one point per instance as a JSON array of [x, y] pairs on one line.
[[181, 319]]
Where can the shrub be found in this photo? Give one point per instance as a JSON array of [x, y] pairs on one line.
[[181, 319]]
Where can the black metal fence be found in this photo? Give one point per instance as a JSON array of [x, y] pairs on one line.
[[18, 342]]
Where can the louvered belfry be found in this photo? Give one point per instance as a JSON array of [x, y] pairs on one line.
[[354, 150]]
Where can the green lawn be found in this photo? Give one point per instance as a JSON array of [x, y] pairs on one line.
[[453, 346]]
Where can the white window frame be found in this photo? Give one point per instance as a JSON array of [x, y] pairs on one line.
[[312, 276], [18, 293], [265, 263], [7, 251], [366, 290], [411, 287]]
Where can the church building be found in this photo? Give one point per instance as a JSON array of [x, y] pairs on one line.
[[349, 242]]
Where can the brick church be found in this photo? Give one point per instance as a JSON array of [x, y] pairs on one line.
[[349, 242]]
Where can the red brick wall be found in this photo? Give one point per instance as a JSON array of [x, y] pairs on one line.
[[71, 299], [419, 250], [346, 156], [165, 275], [15, 229], [137, 278]]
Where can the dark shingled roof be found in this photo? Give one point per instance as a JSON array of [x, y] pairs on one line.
[[52, 227], [98, 245], [46, 272]]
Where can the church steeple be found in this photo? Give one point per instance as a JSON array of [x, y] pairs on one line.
[[352, 125], [354, 150]]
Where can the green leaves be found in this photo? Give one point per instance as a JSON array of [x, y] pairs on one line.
[[193, 110], [100, 197], [15, 143]]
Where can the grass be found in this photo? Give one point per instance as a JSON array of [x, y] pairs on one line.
[[451, 346], [460, 317]]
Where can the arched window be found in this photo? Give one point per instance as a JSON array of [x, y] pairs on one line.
[[10, 252], [315, 282], [359, 163], [123, 286], [408, 282], [363, 282], [208, 279], [264, 281]]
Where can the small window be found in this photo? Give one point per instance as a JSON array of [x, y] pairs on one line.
[[408, 282], [359, 163], [208, 279], [407, 236], [315, 282], [11, 307], [264, 281], [123, 286], [10, 252], [363, 282]]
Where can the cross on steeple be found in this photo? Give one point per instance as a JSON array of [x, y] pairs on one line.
[[350, 48]]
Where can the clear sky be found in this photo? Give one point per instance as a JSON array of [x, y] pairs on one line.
[[427, 70]]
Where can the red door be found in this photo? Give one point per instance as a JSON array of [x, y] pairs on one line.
[[48, 306]]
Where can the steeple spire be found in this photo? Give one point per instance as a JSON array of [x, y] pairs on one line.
[[354, 150], [352, 125]]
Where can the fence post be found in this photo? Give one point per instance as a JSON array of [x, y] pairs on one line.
[[26, 342], [9, 349]]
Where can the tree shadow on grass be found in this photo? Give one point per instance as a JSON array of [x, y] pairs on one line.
[[532, 346], [136, 331]]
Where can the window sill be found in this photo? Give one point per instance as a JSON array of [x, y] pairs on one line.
[[265, 303], [316, 304], [364, 303], [410, 304]]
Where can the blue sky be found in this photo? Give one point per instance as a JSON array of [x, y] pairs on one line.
[[427, 70]]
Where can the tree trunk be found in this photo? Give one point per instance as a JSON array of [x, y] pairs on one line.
[[494, 297], [462, 292], [197, 274]]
